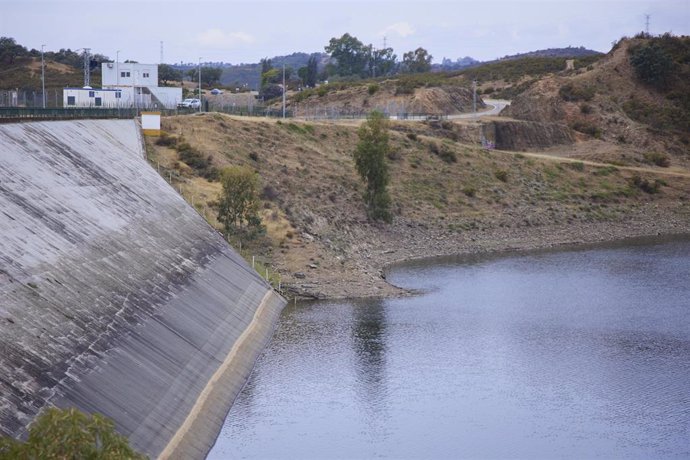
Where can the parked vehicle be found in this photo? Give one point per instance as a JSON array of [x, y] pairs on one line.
[[190, 103], [216, 91]]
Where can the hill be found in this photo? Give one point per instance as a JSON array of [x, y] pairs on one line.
[[449, 196], [421, 93], [621, 116]]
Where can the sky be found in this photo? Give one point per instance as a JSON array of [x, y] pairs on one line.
[[245, 31]]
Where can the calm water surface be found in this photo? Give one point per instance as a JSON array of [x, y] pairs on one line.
[[580, 354]]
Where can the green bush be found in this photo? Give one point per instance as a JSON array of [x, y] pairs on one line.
[[373, 88], [166, 140], [69, 434], [572, 93], [586, 128], [652, 64], [645, 185], [443, 151], [658, 159], [501, 175], [195, 160]]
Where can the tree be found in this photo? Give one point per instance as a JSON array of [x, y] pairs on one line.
[[351, 55], [209, 75], [69, 434], [167, 74], [309, 73], [383, 62], [370, 162], [652, 64], [417, 61], [238, 201], [10, 50]]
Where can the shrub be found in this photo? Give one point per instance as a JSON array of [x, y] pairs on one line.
[[195, 160], [269, 193], [443, 152], [645, 185], [501, 175], [658, 159], [586, 128], [69, 434], [577, 166], [652, 64], [412, 136], [586, 109], [166, 140], [469, 191], [373, 88], [572, 93], [253, 156]]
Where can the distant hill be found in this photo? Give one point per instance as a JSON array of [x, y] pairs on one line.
[[250, 73], [569, 52]]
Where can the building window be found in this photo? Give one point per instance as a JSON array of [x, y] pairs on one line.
[[124, 74], [146, 75], [118, 95], [92, 93], [99, 102], [71, 100]]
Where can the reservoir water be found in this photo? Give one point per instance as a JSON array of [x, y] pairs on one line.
[[573, 354]]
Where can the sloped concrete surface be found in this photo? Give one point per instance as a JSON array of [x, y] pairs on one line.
[[115, 296]]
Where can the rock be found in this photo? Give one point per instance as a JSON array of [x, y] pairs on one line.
[[299, 275]]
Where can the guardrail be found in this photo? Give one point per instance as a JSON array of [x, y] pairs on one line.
[[13, 114]]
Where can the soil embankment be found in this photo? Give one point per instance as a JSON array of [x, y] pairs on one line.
[[449, 196]]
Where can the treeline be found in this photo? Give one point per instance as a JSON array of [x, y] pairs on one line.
[[13, 53], [349, 59]]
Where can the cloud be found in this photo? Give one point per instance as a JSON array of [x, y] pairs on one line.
[[216, 38], [403, 29]]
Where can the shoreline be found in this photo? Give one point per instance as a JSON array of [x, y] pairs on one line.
[[376, 250]]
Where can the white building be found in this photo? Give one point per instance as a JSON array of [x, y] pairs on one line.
[[125, 85]]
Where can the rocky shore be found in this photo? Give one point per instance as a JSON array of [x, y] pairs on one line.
[[359, 270]]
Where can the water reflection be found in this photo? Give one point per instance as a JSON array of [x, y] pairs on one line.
[[369, 345]]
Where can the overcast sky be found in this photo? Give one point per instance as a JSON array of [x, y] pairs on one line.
[[245, 31]]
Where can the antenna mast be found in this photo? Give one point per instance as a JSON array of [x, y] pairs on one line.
[[646, 20], [87, 66]]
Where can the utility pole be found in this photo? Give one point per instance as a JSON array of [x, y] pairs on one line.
[[87, 66], [117, 66], [284, 90], [43, 77], [199, 85], [162, 53]]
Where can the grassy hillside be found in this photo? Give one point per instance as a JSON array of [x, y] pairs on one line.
[[312, 204], [25, 74]]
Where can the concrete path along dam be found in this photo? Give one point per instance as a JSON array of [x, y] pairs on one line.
[[116, 297]]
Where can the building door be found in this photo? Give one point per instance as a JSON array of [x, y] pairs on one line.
[[99, 102]]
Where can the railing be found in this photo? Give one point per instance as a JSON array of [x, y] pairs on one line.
[[11, 114]]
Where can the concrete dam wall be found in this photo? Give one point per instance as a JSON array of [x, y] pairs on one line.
[[116, 297]]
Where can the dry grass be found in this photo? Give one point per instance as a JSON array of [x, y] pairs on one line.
[[314, 210]]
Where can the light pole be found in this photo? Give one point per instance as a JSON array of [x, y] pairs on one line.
[[117, 67], [284, 90], [199, 85], [43, 78]]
